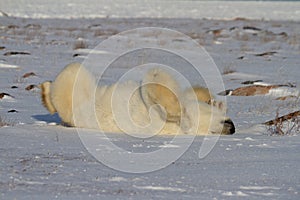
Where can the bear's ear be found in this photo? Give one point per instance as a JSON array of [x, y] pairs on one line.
[[202, 94], [45, 96], [161, 92]]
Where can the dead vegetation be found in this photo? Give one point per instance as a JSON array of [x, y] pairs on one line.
[[22, 79], [253, 90], [107, 32], [13, 53], [26, 75], [3, 95], [228, 70], [284, 125], [31, 87], [3, 122], [265, 54], [80, 44]]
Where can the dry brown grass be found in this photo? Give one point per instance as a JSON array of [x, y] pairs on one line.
[[107, 32], [80, 44], [3, 122], [284, 125], [294, 41], [228, 70]]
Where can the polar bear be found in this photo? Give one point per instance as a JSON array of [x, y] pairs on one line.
[[155, 105]]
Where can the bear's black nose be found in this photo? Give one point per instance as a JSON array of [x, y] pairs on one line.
[[228, 127]]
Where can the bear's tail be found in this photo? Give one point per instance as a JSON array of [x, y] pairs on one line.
[[45, 94]]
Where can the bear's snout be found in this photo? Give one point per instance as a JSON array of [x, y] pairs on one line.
[[228, 127]]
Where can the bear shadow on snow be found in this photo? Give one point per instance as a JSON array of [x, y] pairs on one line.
[[48, 118]]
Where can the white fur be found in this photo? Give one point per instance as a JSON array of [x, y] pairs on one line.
[[131, 107]]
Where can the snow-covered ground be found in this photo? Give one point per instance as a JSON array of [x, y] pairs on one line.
[[41, 159], [152, 9], [51, 162]]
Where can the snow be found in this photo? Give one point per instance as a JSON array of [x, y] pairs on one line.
[[152, 9], [41, 159], [238, 193], [259, 188], [3, 65], [53, 160], [117, 179], [281, 92], [160, 188]]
